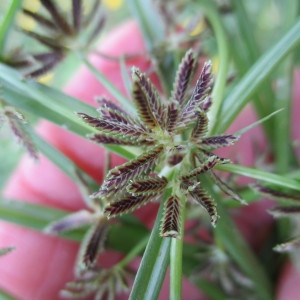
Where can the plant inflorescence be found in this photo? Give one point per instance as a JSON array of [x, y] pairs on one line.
[[173, 136]]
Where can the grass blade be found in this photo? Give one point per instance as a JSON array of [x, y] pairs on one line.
[[8, 21], [38, 217], [267, 177], [152, 253], [30, 215], [52, 105], [252, 80]]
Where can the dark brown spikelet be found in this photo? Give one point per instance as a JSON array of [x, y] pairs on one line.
[[289, 246], [172, 116], [59, 19], [17, 124], [122, 140], [175, 159], [106, 139], [147, 185], [104, 103], [211, 162], [146, 100], [18, 63], [77, 14], [95, 122], [226, 189], [62, 30], [48, 57], [203, 83], [95, 244], [214, 142], [127, 204], [96, 31], [177, 154], [115, 128], [183, 77], [43, 39], [285, 211], [202, 198], [117, 178], [200, 128], [206, 104], [201, 90], [53, 59], [92, 13], [41, 20], [273, 193], [171, 220], [115, 116], [150, 91]]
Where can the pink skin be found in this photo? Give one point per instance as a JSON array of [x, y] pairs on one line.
[[42, 264]]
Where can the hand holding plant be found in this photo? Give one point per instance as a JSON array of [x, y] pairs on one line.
[[47, 185]]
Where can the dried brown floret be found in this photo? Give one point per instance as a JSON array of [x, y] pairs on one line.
[[127, 204], [214, 142], [118, 178], [170, 226], [183, 77], [201, 197], [147, 185], [211, 162], [188, 114], [200, 128], [144, 97]]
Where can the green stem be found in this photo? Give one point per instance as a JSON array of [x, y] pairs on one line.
[[7, 23], [176, 260], [152, 252], [159, 271], [214, 18]]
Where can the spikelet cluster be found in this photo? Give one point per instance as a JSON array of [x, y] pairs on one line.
[[170, 132]]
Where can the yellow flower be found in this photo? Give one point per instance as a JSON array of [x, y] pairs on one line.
[[113, 4], [197, 28], [215, 64], [46, 79]]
